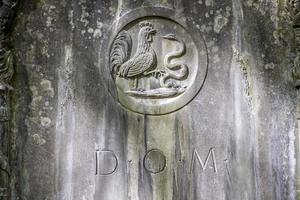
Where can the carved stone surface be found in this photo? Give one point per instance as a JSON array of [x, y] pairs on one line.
[[95, 116], [158, 63]]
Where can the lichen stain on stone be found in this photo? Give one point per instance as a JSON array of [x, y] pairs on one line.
[[200, 2], [243, 61], [92, 31], [261, 6], [209, 2], [45, 122], [30, 55], [203, 28], [40, 3], [98, 31], [36, 98], [49, 21], [216, 59], [66, 73], [71, 19], [221, 20], [84, 14], [37, 139], [44, 50], [50, 16], [215, 49], [35, 101], [276, 9], [47, 87], [112, 10], [269, 66], [283, 24]]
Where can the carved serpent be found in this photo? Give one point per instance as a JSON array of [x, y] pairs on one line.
[[182, 71]]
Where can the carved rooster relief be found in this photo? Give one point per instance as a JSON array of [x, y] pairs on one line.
[[144, 60]]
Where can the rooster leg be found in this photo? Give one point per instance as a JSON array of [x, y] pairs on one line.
[[136, 83]]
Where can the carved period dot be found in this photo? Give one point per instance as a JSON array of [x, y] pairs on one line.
[[155, 161]]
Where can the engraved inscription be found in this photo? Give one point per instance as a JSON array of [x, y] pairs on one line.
[[155, 161], [156, 64], [211, 154], [106, 162]]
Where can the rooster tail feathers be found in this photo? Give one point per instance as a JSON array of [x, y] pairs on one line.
[[120, 51]]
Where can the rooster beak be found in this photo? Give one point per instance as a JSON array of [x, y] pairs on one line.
[[150, 35], [169, 37]]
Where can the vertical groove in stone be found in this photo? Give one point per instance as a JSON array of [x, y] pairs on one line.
[[297, 145], [243, 137], [160, 138], [112, 136], [181, 170], [65, 128], [135, 150]]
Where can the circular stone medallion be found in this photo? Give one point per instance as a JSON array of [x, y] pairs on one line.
[[158, 65]]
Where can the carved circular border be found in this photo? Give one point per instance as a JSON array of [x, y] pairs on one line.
[[168, 14]]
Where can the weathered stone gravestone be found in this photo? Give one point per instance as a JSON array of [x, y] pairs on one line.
[[149, 99]]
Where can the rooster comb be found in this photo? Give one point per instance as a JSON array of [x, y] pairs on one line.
[[148, 24]]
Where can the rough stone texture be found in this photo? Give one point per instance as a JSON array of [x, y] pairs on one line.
[[243, 120]]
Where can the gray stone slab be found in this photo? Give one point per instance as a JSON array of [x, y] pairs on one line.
[[225, 130]]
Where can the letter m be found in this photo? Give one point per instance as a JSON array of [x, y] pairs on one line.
[[211, 154]]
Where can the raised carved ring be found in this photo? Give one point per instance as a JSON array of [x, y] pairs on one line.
[[157, 63]]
